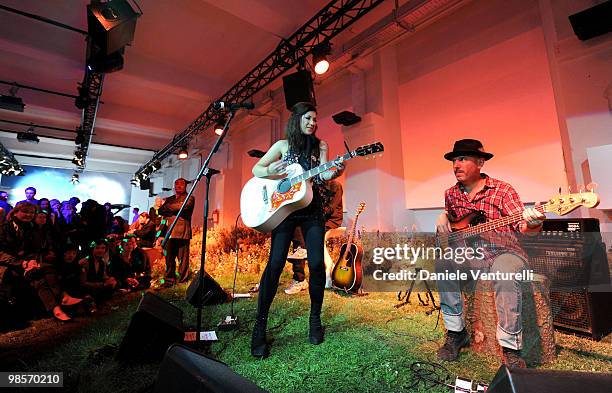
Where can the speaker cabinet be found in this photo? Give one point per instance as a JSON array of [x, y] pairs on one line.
[[572, 255], [155, 326], [592, 22], [212, 293], [186, 370], [298, 88], [111, 25], [548, 381]]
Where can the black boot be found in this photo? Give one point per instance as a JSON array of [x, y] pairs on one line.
[[316, 330], [453, 344], [259, 345]]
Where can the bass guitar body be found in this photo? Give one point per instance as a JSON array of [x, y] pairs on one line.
[[347, 271]]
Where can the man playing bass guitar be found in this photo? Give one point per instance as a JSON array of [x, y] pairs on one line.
[[477, 192]]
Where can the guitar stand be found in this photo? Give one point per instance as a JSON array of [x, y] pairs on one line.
[[428, 296]]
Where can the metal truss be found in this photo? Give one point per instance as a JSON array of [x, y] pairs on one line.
[[92, 88], [8, 163], [326, 24]]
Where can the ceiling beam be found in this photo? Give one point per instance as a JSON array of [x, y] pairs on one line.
[[326, 24]]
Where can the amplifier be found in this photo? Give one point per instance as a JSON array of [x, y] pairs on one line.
[[571, 254]]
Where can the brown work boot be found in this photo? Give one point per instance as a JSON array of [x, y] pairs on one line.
[[512, 358], [453, 344]]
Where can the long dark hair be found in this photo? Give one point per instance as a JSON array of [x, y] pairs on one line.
[[293, 132]]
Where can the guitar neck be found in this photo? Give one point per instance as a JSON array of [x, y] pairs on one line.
[[497, 223], [352, 233], [319, 169]]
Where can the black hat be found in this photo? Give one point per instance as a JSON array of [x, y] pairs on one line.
[[468, 147]]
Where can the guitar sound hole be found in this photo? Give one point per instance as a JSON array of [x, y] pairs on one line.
[[284, 186]]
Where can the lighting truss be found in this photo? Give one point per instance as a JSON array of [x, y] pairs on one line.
[[92, 86], [8, 163], [336, 16]]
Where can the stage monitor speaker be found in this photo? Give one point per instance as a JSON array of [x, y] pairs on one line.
[[186, 370], [592, 22], [548, 381], [298, 88], [111, 25], [155, 326], [212, 293], [572, 255]]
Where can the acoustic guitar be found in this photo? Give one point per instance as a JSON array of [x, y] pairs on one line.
[[265, 203], [346, 274]]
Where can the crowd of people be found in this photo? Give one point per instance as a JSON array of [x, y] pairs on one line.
[[55, 261]]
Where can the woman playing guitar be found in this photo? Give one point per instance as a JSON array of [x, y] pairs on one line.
[[303, 147]]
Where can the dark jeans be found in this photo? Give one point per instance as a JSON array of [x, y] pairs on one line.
[[314, 232], [177, 249]]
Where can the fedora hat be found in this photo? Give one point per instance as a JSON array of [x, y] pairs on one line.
[[468, 147]]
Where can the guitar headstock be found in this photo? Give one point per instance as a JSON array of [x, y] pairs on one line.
[[360, 208], [564, 203], [372, 148]]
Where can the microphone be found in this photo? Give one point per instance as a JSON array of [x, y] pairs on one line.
[[232, 106]]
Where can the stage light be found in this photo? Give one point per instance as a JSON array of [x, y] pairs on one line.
[[75, 178], [319, 57], [28, 137], [182, 154], [82, 100], [11, 102], [156, 165], [219, 127]]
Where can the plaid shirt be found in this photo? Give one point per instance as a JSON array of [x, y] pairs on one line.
[[497, 199]]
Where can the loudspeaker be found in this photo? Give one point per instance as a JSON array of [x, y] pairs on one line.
[[145, 184], [593, 21], [298, 88], [548, 381], [111, 25], [155, 326], [572, 255], [212, 293], [186, 370]]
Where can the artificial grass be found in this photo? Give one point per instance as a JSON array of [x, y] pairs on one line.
[[369, 346]]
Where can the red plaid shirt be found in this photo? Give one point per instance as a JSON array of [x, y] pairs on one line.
[[497, 199]]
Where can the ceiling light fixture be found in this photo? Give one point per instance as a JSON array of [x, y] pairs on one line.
[[319, 57], [219, 127], [183, 154]]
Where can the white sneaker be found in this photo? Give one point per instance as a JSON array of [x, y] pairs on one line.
[[296, 287], [299, 253]]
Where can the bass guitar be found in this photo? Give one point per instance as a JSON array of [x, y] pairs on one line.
[[474, 223], [346, 274], [265, 203]]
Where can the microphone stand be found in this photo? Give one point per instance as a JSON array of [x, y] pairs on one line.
[[231, 321], [208, 172]]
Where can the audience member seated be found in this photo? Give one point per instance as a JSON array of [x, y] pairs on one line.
[[95, 280], [144, 230], [31, 263], [5, 207], [70, 224], [120, 226], [131, 266]]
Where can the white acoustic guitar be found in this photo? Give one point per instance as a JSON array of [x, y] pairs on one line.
[[265, 203]]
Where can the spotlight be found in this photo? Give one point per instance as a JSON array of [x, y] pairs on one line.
[[28, 137], [156, 165], [182, 154], [319, 57], [75, 178], [82, 99], [219, 127], [12, 103]]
